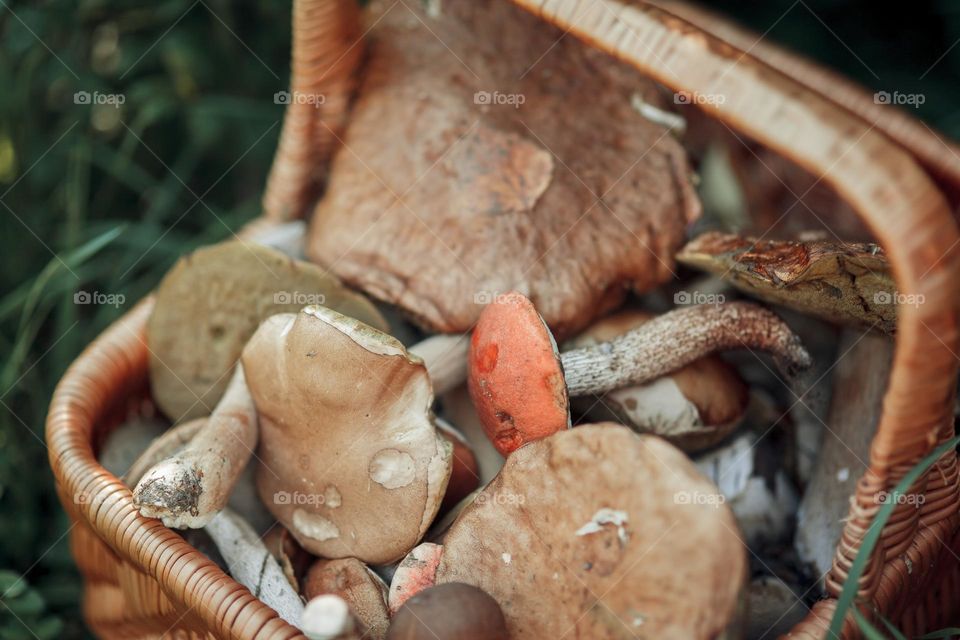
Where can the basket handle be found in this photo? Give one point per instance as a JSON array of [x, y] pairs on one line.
[[326, 51], [888, 189]]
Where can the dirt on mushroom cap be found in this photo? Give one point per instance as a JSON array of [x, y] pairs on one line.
[[212, 301], [543, 195], [342, 405], [656, 545]]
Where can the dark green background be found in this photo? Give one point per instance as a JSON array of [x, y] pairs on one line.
[[114, 193]]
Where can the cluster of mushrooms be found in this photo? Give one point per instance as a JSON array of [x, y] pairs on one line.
[[473, 411]]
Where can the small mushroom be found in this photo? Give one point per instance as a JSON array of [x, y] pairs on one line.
[[328, 617], [188, 489], [521, 385], [694, 407], [416, 572], [350, 460], [464, 172], [844, 282], [212, 301], [358, 586], [599, 532], [453, 611]]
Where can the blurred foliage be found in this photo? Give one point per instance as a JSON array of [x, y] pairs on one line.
[[103, 197]]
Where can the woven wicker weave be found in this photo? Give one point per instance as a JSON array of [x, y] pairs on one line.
[[143, 580]]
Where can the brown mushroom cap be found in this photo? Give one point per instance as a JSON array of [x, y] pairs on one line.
[[454, 611], [696, 406], [844, 282], [360, 588], [350, 460], [442, 196], [599, 532], [212, 301]]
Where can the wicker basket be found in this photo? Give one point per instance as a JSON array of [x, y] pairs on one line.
[[144, 580]]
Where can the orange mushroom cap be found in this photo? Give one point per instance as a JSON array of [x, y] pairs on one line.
[[515, 377]]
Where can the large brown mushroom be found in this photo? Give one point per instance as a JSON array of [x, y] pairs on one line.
[[499, 156], [598, 532], [350, 460], [212, 301]]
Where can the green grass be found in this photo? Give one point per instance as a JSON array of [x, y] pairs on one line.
[[96, 198]]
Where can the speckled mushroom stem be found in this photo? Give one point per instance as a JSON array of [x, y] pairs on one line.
[[675, 339], [190, 487], [327, 50]]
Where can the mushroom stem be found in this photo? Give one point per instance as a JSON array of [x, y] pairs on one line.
[[675, 339], [188, 489], [445, 357], [168, 444], [252, 565], [328, 617]]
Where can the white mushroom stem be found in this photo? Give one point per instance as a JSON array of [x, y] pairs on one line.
[[188, 489], [328, 617], [252, 565], [675, 339], [445, 356], [168, 444]]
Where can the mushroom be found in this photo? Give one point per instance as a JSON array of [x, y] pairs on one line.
[[415, 573], [167, 444], [358, 586], [860, 378], [843, 282], [328, 617], [467, 170], [694, 407], [350, 460], [453, 611], [617, 531], [124, 444], [212, 301], [251, 564], [188, 489], [457, 408], [521, 385]]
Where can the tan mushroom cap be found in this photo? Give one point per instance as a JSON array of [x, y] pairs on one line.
[[448, 189], [350, 460], [360, 588], [694, 407], [210, 303], [601, 513]]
